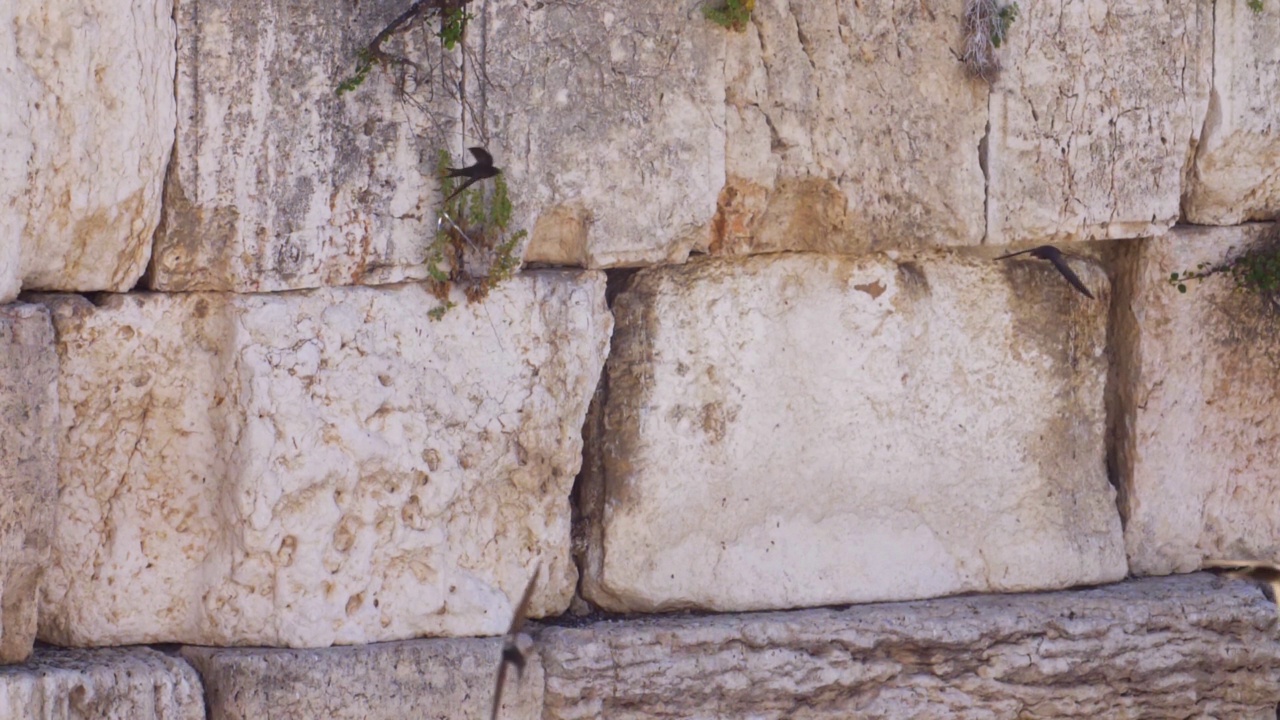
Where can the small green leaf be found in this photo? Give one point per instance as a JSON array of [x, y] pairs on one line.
[[1182, 288]]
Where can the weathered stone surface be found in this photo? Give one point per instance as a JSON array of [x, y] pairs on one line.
[[28, 469], [316, 468], [1095, 118], [85, 133], [1169, 647], [803, 430], [414, 679], [850, 127], [1234, 175], [277, 181], [1199, 439], [111, 684], [609, 118]]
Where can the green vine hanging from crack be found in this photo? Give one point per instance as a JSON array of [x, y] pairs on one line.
[[1254, 272]]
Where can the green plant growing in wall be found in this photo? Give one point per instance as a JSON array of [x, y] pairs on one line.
[[1254, 5], [731, 14], [1255, 272], [451, 17], [475, 232], [986, 27]]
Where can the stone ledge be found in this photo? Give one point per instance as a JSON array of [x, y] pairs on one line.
[[111, 684], [1190, 646], [410, 679]]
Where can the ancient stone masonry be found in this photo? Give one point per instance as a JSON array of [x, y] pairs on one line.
[[762, 392]]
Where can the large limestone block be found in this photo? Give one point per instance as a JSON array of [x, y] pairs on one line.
[[1234, 177], [86, 128], [414, 679], [1199, 442], [1168, 647], [1095, 118], [850, 127], [316, 468], [277, 182], [110, 684], [609, 116], [28, 469], [802, 430]]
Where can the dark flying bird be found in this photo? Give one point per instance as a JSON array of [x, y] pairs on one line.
[[511, 652], [1054, 255], [482, 170], [1266, 575]]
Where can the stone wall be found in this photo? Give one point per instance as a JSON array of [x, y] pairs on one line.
[[781, 434]]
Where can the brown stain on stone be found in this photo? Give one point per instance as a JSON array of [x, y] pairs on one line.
[[192, 243], [874, 289], [560, 236]]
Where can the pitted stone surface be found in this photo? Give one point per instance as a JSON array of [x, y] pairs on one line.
[[609, 116], [1200, 438], [28, 469], [850, 127], [314, 468], [1170, 647], [1095, 118], [1235, 177], [801, 430], [86, 128], [451, 678], [109, 684]]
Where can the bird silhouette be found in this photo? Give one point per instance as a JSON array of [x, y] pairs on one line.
[[511, 652], [482, 169], [1265, 575], [1054, 255]]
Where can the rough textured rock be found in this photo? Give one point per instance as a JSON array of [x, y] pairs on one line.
[[849, 127], [1095, 118], [85, 133], [111, 684], [1234, 176], [1169, 647], [802, 430], [28, 469], [277, 181], [609, 116], [314, 468], [1199, 440], [415, 679]]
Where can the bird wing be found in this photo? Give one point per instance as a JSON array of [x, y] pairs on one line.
[[465, 184], [1263, 571], [1021, 252], [482, 156], [1061, 263], [497, 689], [517, 621]]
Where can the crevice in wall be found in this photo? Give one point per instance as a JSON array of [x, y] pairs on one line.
[[984, 149], [1124, 360], [587, 497]]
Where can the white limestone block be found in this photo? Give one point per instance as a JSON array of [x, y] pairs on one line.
[[800, 430], [318, 468], [1095, 118], [277, 181], [110, 684], [850, 127], [28, 469], [1199, 438], [1234, 176], [609, 117], [86, 128]]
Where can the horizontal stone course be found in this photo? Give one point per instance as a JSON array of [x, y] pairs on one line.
[[413, 679], [313, 468], [110, 684], [800, 430], [1194, 646]]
